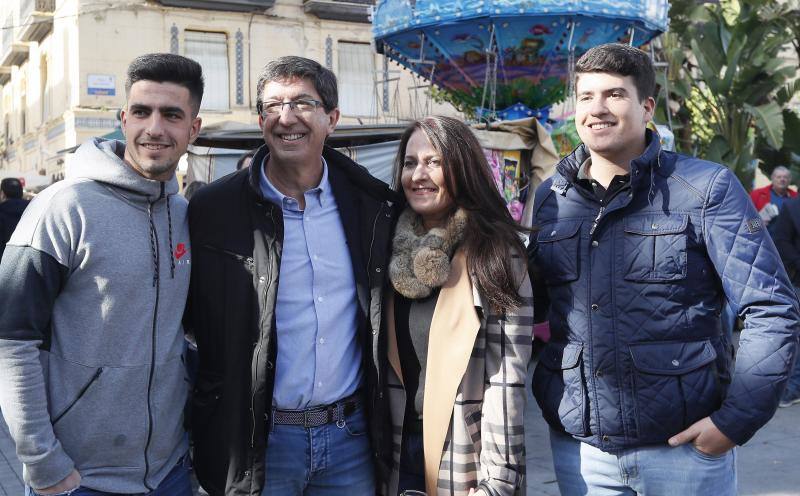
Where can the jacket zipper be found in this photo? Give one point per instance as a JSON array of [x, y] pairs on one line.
[[378, 379], [597, 220], [152, 346], [248, 262], [259, 346], [80, 395], [372, 242]]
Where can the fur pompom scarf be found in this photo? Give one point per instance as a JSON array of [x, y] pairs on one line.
[[421, 260]]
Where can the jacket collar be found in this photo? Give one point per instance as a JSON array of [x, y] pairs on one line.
[[338, 164], [642, 167]]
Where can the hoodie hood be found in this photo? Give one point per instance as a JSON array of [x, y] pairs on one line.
[[102, 160]]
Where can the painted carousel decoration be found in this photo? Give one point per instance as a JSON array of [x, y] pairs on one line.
[[507, 58]]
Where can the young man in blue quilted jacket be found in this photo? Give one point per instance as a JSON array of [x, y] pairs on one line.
[[638, 252]]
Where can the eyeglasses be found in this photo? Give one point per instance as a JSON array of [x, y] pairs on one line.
[[303, 106]]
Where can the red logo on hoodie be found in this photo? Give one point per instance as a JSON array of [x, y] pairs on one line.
[[180, 250]]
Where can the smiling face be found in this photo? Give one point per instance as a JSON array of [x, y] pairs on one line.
[[294, 136], [610, 118], [158, 124], [423, 181]]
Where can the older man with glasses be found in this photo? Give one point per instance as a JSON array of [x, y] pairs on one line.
[[287, 371]]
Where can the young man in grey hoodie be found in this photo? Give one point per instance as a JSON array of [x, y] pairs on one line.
[[92, 288]]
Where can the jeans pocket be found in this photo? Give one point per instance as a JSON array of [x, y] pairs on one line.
[[355, 425], [31, 492], [706, 456]]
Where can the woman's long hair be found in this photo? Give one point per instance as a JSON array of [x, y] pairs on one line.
[[491, 236]]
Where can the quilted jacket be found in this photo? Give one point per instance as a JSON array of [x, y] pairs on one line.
[[636, 290]]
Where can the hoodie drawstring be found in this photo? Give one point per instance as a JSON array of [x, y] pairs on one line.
[[153, 242], [171, 249], [154, 238]]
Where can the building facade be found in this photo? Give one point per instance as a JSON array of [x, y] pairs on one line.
[[63, 62]]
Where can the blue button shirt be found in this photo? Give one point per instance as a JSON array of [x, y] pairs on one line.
[[319, 357]]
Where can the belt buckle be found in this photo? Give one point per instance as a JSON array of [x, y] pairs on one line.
[[306, 419]]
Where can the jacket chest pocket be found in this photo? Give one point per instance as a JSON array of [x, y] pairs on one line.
[[557, 252], [655, 248]]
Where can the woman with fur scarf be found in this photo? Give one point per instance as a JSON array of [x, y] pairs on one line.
[[458, 323]]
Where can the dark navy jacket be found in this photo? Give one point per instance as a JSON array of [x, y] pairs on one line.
[[636, 289]]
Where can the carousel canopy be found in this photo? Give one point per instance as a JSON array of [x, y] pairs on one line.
[[521, 49]]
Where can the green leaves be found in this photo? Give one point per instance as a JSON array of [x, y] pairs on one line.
[[732, 76], [769, 120]]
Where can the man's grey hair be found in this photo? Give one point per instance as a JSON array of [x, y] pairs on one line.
[[292, 67], [780, 168]]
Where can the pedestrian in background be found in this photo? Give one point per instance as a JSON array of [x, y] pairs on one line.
[[769, 199], [638, 250], [459, 316], [787, 240], [92, 288], [12, 205]]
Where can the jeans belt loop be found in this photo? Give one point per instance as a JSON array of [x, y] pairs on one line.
[[340, 423], [306, 419]]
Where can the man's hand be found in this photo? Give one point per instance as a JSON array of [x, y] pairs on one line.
[[479, 492], [70, 482], [705, 436]]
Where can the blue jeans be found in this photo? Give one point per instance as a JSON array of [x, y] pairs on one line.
[[176, 483], [582, 469], [329, 460], [412, 463]]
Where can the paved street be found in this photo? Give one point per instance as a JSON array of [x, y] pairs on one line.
[[768, 464]]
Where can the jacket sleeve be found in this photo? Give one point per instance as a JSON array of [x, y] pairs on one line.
[[508, 351], [758, 290], [784, 235], [30, 280]]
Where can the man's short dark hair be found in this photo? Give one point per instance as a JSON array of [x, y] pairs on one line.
[[625, 60], [11, 187], [292, 67], [168, 68]]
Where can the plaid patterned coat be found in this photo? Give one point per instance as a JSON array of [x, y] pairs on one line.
[[474, 391]]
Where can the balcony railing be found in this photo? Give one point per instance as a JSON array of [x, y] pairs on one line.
[[36, 19], [11, 51], [340, 10], [229, 5]]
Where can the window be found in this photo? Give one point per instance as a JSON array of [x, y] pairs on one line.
[[356, 79], [210, 50]]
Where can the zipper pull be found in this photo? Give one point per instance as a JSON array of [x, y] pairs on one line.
[[596, 220]]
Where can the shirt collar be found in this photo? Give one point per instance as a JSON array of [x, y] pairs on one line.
[[582, 174], [320, 193]]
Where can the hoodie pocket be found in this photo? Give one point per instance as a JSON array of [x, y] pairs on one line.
[[65, 410], [99, 415], [675, 385], [560, 388]]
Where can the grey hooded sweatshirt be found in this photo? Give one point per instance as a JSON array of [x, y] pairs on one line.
[[93, 285]]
